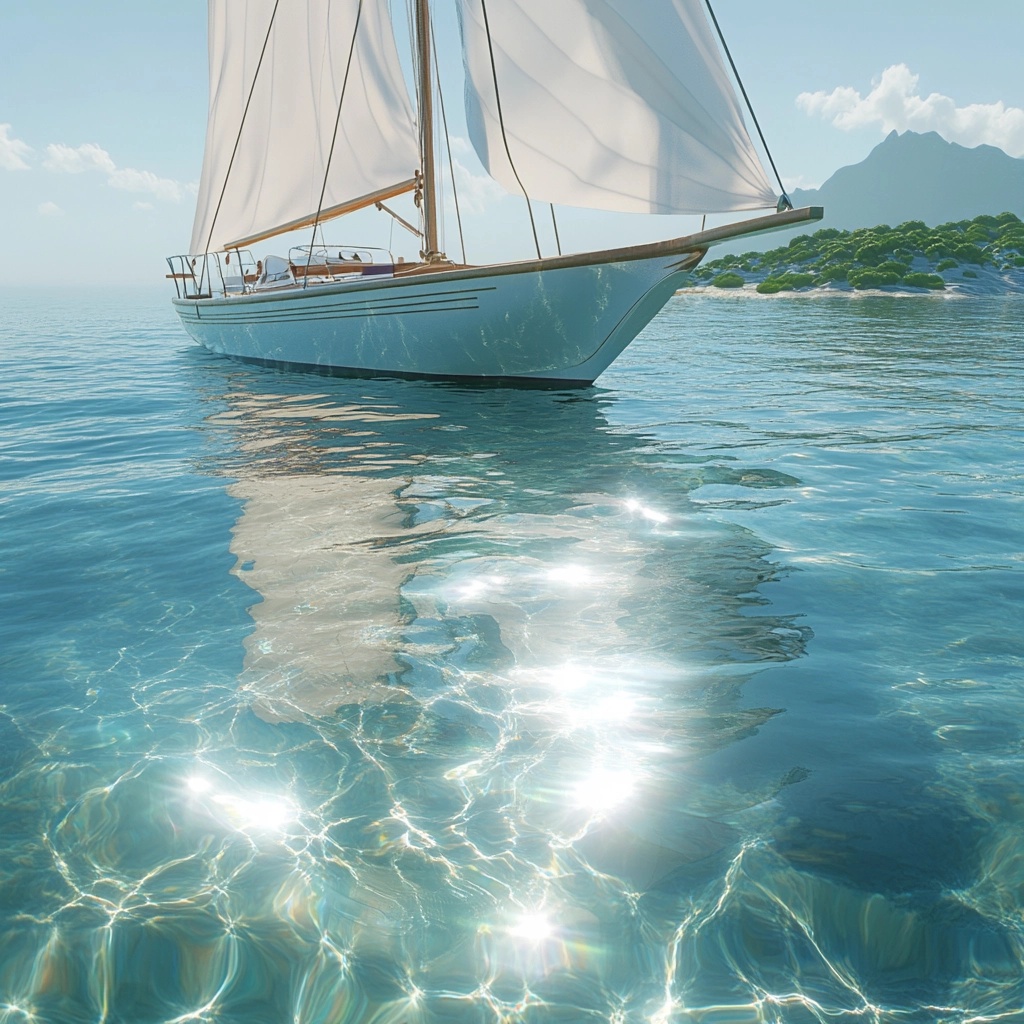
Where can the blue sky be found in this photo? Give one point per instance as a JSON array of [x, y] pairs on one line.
[[102, 119]]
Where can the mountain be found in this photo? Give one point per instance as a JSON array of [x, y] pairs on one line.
[[919, 177]]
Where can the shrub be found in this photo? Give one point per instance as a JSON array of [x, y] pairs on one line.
[[924, 281], [835, 272], [837, 251], [871, 278], [883, 250], [970, 273], [728, 280], [1012, 238], [785, 282], [799, 280], [892, 267], [968, 253], [870, 253], [978, 233]]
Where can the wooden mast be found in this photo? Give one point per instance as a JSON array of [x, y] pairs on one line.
[[431, 252]]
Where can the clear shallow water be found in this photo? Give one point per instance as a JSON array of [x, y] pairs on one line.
[[692, 697]]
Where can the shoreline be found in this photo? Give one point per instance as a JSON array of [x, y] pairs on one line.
[[988, 283]]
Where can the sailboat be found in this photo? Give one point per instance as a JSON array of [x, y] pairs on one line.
[[604, 104]]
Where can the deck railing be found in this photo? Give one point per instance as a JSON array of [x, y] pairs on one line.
[[223, 274]]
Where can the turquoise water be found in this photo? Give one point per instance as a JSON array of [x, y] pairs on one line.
[[696, 696]]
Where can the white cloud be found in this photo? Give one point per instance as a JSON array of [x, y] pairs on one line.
[[145, 181], [12, 151], [90, 157], [795, 181], [894, 103], [50, 210], [477, 191], [140, 205]]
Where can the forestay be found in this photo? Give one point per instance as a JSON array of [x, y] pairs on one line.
[[276, 172], [608, 104]]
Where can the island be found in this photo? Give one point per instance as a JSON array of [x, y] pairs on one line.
[[980, 256]]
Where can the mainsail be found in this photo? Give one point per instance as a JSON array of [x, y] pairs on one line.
[[614, 104], [609, 104], [313, 57]]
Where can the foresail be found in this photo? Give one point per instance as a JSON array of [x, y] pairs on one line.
[[267, 146], [609, 104]]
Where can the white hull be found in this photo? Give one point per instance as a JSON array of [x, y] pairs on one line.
[[560, 324], [563, 319]]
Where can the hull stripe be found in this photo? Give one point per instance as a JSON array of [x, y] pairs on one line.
[[325, 313]]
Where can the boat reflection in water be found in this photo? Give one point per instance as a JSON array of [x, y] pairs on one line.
[[514, 652]]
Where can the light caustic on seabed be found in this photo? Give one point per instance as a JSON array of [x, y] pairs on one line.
[[514, 751]]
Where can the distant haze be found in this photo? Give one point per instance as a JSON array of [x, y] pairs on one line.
[[908, 176], [919, 177]]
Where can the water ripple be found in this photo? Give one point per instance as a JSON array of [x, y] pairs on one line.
[[381, 701]]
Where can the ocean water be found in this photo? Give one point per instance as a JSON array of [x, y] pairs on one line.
[[692, 697]]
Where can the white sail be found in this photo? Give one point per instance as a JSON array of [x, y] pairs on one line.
[[610, 104], [275, 171]]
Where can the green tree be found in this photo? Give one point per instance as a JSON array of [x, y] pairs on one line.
[[932, 281], [871, 278], [728, 280]]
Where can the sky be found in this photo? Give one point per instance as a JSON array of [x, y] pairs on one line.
[[103, 110]]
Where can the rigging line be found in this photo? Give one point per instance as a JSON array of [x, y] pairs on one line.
[[746, 98], [501, 123], [448, 146], [440, 213], [435, 82], [554, 224], [241, 124], [334, 138], [418, 194]]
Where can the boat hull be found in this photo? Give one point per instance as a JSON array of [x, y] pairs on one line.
[[529, 322], [561, 319]]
